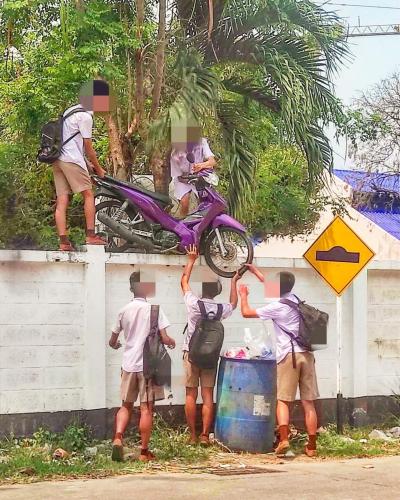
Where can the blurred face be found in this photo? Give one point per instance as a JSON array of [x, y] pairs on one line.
[[145, 289], [184, 137], [96, 96]]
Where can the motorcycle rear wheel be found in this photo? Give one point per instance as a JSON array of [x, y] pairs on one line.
[[111, 208], [239, 251]]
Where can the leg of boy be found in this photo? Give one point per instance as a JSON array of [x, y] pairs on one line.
[[207, 409], [190, 410], [146, 424], [122, 419]]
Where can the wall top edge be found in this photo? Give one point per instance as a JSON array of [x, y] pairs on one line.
[[97, 255]]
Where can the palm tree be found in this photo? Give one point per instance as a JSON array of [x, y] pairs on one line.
[[278, 54]]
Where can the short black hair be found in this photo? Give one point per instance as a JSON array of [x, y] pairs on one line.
[[134, 278], [286, 282], [211, 289], [101, 87]]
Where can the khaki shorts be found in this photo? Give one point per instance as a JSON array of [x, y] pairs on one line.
[[134, 385], [194, 375], [70, 178], [303, 376]]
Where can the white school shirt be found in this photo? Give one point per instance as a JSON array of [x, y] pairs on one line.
[[194, 314], [81, 122], [179, 163], [134, 321], [287, 317]]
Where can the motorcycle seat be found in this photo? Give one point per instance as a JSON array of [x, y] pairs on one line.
[[162, 198]]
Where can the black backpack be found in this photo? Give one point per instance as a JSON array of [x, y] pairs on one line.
[[156, 360], [313, 325], [51, 138], [206, 342]]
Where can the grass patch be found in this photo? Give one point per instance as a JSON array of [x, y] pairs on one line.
[[350, 444], [30, 459]]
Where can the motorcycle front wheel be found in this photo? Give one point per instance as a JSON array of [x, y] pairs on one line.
[[226, 250]]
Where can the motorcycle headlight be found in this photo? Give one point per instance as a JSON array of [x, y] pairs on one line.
[[212, 179]]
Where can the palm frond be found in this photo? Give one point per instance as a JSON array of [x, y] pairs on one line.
[[196, 97], [256, 93], [238, 155]]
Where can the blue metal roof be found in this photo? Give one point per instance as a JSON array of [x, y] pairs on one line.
[[387, 221], [366, 182]]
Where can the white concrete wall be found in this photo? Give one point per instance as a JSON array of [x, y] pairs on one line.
[[57, 310]]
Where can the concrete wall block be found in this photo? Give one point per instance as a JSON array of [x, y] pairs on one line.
[[63, 334], [63, 399], [16, 292], [384, 385], [63, 377], [385, 293], [14, 379], [381, 313], [383, 348], [378, 330], [61, 293], [17, 357], [64, 355], [49, 314], [26, 335], [42, 271], [26, 401]]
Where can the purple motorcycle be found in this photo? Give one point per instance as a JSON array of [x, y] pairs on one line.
[[135, 219]]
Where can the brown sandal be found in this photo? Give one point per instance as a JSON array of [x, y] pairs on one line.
[[95, 240], [65, 245], [146, 456]]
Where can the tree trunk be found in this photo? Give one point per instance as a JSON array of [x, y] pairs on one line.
[[119, 167], [160, 59], [139, 64], [161, 172]]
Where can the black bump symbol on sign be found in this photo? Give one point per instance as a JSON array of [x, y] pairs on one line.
[[338, 254]]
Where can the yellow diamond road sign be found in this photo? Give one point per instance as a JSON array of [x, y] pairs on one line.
[[338, 255]]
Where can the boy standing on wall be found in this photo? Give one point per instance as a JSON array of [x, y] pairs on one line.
[[193, 374], [70, 170], [295, 366], [134, 321]]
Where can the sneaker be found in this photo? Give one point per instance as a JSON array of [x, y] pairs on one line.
[[282, 448]]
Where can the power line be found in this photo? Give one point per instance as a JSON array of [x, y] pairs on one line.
[[386, 7]]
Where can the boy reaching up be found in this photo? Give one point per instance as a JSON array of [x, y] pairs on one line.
[[194, 376]]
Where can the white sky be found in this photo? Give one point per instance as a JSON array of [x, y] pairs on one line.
[[374, 58]]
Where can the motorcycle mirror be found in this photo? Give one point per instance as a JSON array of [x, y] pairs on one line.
[[190, 158]]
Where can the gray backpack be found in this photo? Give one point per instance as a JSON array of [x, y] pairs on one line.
[[313, 325], [206, 342]]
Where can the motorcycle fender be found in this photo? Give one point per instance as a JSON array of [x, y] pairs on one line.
[[227, 220], [102, 191]]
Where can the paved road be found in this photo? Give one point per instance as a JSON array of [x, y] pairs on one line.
[[340, 480]]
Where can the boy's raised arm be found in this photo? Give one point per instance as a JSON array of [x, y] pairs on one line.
[[192, 256]]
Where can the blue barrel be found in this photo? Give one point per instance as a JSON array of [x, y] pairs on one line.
[[246, 404]]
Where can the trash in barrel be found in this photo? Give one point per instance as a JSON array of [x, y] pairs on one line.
[[246, 404]]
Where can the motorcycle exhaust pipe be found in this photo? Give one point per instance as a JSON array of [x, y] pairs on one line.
[[124, 233]]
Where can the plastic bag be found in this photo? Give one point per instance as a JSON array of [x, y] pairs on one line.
[[259, 344], [237, 353]]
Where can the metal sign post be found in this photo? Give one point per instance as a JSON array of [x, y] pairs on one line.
[[339, 255], [339, 395]]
